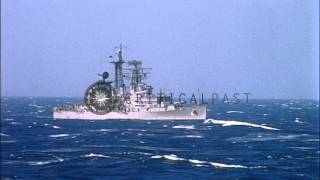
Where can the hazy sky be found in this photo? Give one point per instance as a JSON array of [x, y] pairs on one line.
[[267, 47]]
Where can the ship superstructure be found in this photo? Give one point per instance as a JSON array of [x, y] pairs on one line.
[[127, 97]]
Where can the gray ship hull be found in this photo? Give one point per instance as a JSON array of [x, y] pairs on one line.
[[184, 113]]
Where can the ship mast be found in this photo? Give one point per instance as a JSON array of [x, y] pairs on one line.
[[136, 76], [119, 83]]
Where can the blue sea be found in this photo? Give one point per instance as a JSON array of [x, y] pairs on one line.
[[261, 139]]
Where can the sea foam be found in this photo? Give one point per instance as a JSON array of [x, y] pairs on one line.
[[229, 112], [96, 155], [200, 163], [58, 135], [183, 127], [237, 123], [39, 163]]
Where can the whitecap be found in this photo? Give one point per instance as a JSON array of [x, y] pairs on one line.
[[39, 163], [297, 120], [237, 123], [95, 155], [56, 127], [144, 153], [197, 161], [189, 136], [15, 123], [35, 105], [235, 112], [156, 157], [227, 165], [183, 127], [3, 134], [103, 130], [141, 130], [58, 135], [173, 157]]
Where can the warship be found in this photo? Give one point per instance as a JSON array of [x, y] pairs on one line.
[[128, 97]]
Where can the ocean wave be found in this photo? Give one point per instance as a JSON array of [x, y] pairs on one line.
[[8, 141], [95, 155], [295, 108], [59, 135], [8, 119], [302, 148], [15, 123], [97, 145], [52, 126], [39, 163], [183, 127], [197, 161], [156, 157], [237, 123], [173, 157], [312, 140], [267, 137], [140, 130], [229, 112], [64, 150], [227, 165], [102, 130], [189, 136], [297, 120], [3, 134], [140, 153], [35, 105], [200, 163]]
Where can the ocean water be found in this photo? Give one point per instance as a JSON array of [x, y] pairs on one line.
[[264, 139]]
